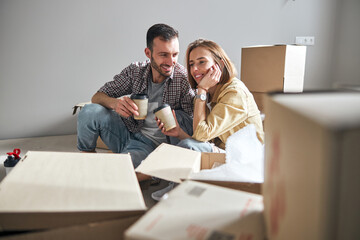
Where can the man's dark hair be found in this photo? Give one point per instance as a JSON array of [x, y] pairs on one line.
[[165, 32]]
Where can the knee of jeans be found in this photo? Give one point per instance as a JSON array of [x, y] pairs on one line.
[[91, 111], [186, 143]]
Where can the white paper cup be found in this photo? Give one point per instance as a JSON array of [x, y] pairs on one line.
[[165, 115], [141, 101]]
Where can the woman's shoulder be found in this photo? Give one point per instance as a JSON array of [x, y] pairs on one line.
[[233, 91], [235, 84]]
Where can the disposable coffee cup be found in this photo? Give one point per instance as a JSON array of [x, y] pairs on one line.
[[141, 101], [165, 115]]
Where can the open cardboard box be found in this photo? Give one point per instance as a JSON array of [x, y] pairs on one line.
[[312, 181], [195, 210], [176, 164], [58, 189]]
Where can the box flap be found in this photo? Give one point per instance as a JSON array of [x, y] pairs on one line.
[[61, 189], [171, 163], [294, 68], [243, 186], [79, 105], [195, 210], [326, 108]]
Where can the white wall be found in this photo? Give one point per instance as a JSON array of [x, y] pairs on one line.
[[54, 54], [347, 50]]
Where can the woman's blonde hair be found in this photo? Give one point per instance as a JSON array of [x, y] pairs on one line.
[[220, 57]]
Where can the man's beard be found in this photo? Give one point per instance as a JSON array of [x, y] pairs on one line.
[[158, 68]]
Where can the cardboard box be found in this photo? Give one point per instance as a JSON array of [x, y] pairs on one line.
[[79, 106], [106, 230], [259, 99], [99, 142], [195, 210], [53, 189], [312, 180], [273, 68], [176, 164]]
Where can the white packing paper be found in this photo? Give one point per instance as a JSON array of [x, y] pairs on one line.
[[244, 159]]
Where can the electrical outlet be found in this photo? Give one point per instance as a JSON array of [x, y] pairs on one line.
[[310, 40]]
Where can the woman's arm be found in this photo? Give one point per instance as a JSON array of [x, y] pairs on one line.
[[210, 80], [199, 108]]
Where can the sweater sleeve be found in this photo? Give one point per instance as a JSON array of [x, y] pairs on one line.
[[230, 110]]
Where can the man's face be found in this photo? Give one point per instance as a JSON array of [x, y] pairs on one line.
[[163, 56]]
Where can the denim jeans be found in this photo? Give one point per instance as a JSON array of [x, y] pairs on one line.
[[195, 145], [95, 120]]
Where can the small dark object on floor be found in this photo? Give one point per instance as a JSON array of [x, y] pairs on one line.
[[155, 181]]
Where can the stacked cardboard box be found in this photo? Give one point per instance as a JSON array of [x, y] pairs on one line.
[[272, 68], [79, 194], [312, 181]]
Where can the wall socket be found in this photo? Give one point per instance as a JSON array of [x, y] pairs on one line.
[[309, 40]]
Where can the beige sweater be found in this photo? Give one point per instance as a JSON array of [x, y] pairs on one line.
[[232, 108]]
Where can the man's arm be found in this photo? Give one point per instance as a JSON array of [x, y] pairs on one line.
[[123, 105]]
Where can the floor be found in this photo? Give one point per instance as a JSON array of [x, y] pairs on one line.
[[65, 143]]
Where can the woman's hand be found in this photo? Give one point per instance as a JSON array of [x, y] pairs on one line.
[[175, 132], [211, 78]]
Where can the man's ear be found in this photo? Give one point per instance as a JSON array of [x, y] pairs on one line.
[[148, 53]]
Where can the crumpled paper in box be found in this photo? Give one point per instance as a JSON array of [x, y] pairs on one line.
[[244, 159]]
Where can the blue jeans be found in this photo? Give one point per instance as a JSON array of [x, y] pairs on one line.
[[195, 145], [95, 120]]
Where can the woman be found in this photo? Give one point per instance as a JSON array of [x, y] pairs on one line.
[[223, 104]]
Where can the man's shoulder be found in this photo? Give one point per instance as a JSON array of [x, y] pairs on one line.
[[139, 65], [180, 71]]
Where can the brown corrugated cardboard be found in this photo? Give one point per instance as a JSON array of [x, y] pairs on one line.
[[176, 164], [273, 68], [53, 189], [196, 210], [259, 99], [312, 181], [106, 230], [101, 144]]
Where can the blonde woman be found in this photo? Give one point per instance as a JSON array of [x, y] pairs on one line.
[[223, 104]]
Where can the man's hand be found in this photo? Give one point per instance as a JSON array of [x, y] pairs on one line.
[[125, 107]]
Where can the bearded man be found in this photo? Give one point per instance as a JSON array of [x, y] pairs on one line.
[[111, 114]]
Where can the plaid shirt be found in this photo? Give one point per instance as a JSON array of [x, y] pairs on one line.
[[134, 79]]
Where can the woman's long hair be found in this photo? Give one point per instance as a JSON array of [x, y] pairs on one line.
[[220, 57]]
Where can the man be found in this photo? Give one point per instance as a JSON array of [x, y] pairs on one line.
[[111, 116]]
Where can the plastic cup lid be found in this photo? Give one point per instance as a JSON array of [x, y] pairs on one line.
[[139, 96], [161, 107]]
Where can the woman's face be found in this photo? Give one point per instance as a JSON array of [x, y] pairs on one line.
[[200, 61]]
